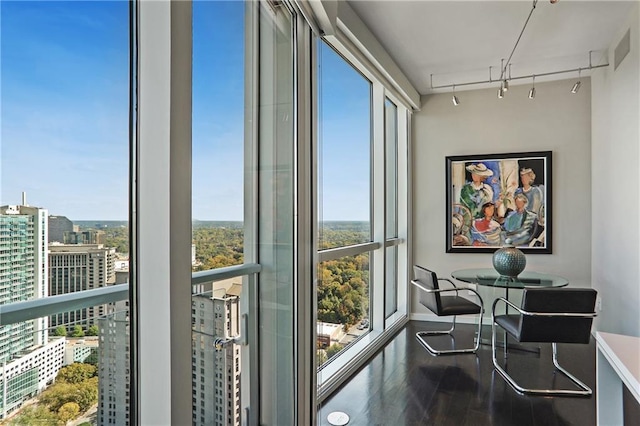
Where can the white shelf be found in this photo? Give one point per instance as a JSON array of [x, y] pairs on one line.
[[618, 361]]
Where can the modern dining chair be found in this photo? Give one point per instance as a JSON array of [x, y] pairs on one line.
[[442, 302], [547, 315]]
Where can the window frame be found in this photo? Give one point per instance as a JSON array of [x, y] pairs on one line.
[[333, 373]]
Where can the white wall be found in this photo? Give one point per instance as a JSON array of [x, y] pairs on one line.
[[555, 120], [616, 188]]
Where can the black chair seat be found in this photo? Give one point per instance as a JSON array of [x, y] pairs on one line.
[[547, 316], [445, 302], [455, 305]]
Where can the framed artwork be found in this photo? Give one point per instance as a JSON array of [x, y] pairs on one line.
[[498, 197]]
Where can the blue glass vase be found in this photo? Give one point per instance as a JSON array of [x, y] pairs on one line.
[[509, 261]]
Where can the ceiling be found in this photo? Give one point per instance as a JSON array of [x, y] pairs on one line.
[[457, 41]]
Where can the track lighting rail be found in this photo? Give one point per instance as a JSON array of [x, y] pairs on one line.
[[519, 77], [505, 76]]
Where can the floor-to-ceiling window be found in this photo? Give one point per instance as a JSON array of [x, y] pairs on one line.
[[344, 203], [64, 220], [229, 78], [274, 174], [362, 213], [218, 171]]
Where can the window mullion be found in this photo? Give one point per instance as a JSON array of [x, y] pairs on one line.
[[163, 214], [378, 209], [404, 209]]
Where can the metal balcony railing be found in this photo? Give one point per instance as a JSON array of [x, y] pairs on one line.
[[38, 308]]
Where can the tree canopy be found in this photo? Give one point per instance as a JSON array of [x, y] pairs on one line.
[[77, 331], [75, 391], [76, 373]]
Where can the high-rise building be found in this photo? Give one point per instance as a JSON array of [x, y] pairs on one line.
[[28, 360], [23, 273], [90, 236], [113, 366], [78, 267], [58, 225], [216, 371]]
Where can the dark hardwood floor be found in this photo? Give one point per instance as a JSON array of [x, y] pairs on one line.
[[404, 385]]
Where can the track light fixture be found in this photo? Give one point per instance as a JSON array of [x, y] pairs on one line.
[[454, 98], [505, 70], [505, 82], [577, 84], [532, 91]]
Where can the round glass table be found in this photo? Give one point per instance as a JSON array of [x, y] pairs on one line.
[[491, 278]]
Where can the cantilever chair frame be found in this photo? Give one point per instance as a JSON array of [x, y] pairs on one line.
[[584, 389], [456, 289]]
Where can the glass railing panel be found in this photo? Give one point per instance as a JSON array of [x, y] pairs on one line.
[[216, 352], [75, 372], [391, 282], [103, 340]]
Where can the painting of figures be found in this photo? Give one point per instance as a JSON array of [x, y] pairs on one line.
[[497, 199]]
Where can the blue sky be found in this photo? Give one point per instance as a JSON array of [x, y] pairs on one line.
[[64, 113]]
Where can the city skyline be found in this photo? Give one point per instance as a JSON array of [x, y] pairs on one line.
[[65, 103]]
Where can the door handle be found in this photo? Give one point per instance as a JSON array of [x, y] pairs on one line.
[[220, 343]]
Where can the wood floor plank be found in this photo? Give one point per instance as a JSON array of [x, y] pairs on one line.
[[404, 385]]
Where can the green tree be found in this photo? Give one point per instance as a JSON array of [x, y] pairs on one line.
[[217, 247], [76, 373], [77, 331], [118, 238], [87, 394], [68, 411], [321, 357], [60, 331], [58, 395], [35, 415], [92, 358], [333, 350], [92, 331]]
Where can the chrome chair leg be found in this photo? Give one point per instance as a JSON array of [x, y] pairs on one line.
[[421, 334], [584, 389]]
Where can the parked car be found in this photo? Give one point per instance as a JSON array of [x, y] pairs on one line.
[[363, 324]]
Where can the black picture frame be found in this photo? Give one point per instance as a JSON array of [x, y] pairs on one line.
[[492, 197]]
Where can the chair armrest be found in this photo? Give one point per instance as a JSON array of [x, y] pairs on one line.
[[449, 281], [443, 290], [502, 299], [432, 290], [540, 314]]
